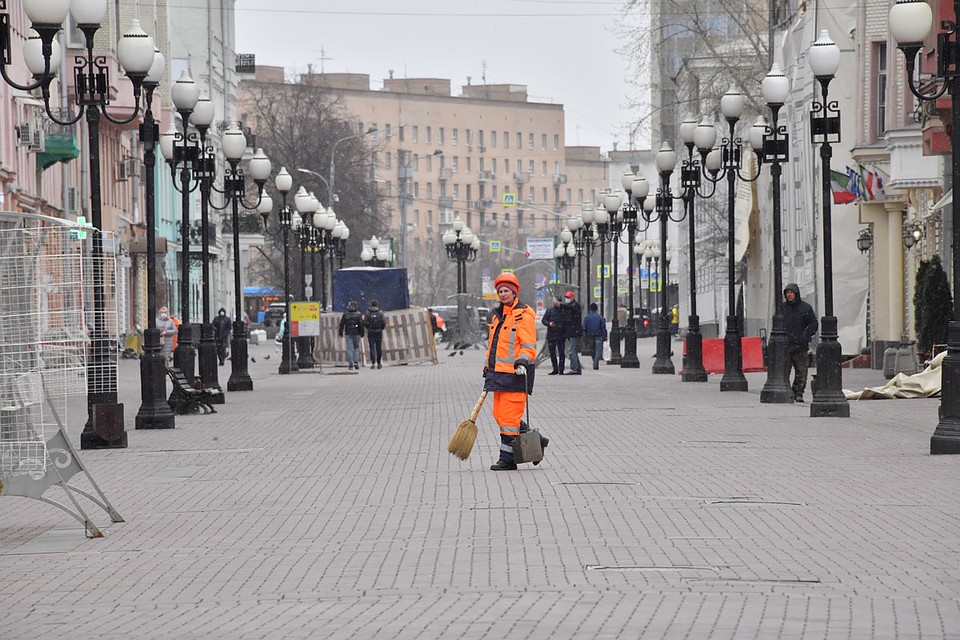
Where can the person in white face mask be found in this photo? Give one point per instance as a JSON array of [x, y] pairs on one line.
[[167, 330]]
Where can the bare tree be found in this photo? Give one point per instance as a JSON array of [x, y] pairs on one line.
[[298, 125]]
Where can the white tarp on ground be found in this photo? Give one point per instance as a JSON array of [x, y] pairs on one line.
[[920, 385]]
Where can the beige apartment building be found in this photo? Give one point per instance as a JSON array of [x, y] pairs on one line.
[[488, 156]]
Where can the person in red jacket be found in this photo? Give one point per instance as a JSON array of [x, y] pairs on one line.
[[509, 369]]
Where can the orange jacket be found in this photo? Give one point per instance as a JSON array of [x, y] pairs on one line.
[[515, 342]]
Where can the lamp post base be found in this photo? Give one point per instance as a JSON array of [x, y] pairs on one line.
[[614, 339], [776, 389], [207, 360], [629, 359], [946, 439], [154, 411], [184, 356], [828, 400], [287, 364], [693, 370], [240, 379], [664, 363], [733, 378], [305, 353]]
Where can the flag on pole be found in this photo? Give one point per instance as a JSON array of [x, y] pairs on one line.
[[844, 187]]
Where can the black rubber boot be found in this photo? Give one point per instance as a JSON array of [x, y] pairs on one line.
[[503, 466]]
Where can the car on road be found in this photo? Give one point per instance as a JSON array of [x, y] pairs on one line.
[[274, 314]]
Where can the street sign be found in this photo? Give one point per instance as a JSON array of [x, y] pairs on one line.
[[80, 234], [540, 248], [304, 319], [509, 199], [603, 271], [495, 246], [487, 286], [644, 277], [596, 293], [654, 281]]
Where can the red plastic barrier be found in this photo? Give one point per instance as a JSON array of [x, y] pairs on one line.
[[713, 354]]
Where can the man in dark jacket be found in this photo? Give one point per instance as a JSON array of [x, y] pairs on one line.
[[572, 330], [553, 321], [351, 326], [375, 322], [800, 323], [595, 326], [221, 333]]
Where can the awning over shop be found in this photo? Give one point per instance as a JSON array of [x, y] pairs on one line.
[[57, 148]]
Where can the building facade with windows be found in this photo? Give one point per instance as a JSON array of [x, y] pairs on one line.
[[488, 156]]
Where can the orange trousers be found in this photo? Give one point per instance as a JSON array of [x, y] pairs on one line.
[[508, 408]]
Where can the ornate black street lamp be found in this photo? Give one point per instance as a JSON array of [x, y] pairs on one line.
[[615, 233], [287, 219], [772, 144], [828, 399], [603, 228], [378, 254], [731, 157], [462, 246], [235, 188], [636, 188], [155, 412], [566, 255], [703, 138], [666, 162], [183, 150], [306, 205], [136, 54], [910, 25]]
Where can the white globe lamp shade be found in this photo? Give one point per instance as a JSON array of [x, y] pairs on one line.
[[824, 56], [47, 12], [88, 12], [449, 237], [687, 128], [374, 242], [366, 255], [475, 245], [235, 143], [705, 135], [337, 230], [260, 166], [612, 201], [571, 250], [167, 140], [458, 225], [587, 214], [203, 113], [301, 201], [320, 219], [157, 69], [566, 236], [601, 216], [383, 253], [284, 181], [640, 188], [757, 132], [666, 159], [467, 236], [345, 234], [910, 21], [648, 204], [185, 93], [265, 205], [775, 86], [626, 180], [731, 104], [135, 50], [714, 160], [558, 251], [33, 55]]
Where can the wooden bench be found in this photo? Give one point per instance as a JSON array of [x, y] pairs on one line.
[[185, 398]]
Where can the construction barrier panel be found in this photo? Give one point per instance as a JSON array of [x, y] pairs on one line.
[[407, 339], [713, 354]]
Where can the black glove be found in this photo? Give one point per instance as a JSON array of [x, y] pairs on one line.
[[485, 369], [519, 369]]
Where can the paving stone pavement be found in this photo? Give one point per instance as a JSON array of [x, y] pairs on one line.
[[326, 506]]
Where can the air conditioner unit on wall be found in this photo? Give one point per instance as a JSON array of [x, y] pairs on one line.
[[122, 171], [31, 136], [133, 167]]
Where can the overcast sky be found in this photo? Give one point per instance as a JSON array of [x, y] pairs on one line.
[[562, 50]]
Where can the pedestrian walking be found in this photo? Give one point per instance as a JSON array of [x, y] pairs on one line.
[[351, 326], [221, 333], [167, 332], [622, 315], [375, 322], [573, 329], [553, 320], [800, 323], [675, 320], [509, 370], [595, 326]]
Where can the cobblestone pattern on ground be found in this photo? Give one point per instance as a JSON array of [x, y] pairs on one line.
[[326, 506]]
